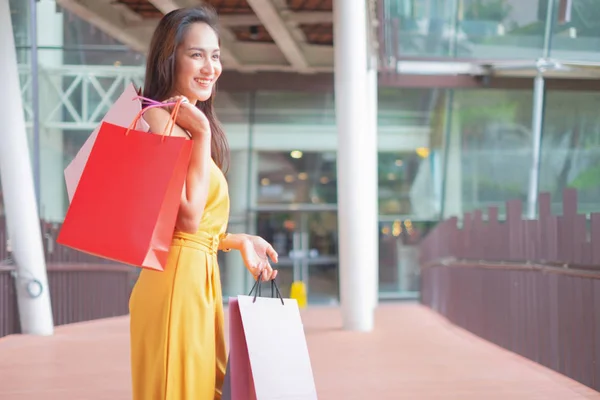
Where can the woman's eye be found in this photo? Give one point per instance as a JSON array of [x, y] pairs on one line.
[[216, 57], [196, 55]]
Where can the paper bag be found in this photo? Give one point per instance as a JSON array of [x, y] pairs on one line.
[[258, 326], [122, 112], [128, 197]]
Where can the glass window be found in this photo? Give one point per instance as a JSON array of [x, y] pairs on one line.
[[399, 267], [20, 15], [233, 107], [295, 136], [501, 29], [410, 137], [405, 107], [310, 108], [488, 29], [489, 154], [85, 44], [403, 178], [296, 177], [411, 130], [571, 148], [421, 27], [576, 35]]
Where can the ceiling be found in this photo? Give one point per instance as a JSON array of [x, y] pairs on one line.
[[256, 35]]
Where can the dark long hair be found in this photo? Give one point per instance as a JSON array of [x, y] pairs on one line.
[[160, 69]]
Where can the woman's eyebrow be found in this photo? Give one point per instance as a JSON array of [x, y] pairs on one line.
[[196, 48]]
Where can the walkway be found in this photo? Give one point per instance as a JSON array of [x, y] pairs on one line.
[[413, 354]]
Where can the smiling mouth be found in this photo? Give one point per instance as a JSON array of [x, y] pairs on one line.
[[203, 82]]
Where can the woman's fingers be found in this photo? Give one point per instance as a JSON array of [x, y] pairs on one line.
[[272, 254], [263, 271], [269, 273], [257, 271], [175, 99]]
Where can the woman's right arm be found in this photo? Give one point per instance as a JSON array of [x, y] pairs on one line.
[[195, 189]]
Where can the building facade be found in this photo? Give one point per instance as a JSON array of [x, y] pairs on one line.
[[479, 102]]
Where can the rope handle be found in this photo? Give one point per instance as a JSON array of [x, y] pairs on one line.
[[148, 100], [257, 289]]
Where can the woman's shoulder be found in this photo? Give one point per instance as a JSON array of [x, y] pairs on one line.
[[157, 119]]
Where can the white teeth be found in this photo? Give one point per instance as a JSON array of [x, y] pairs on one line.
[[203, 81]]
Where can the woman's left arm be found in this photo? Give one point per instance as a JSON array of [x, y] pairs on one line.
[[233, 241]]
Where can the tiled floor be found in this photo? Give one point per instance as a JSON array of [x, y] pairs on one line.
[[412, 354]]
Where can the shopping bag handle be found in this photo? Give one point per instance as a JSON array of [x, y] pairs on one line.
[[257, 289], [150, 101], [155, 104]]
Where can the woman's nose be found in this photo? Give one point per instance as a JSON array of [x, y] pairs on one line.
[[208, 67]]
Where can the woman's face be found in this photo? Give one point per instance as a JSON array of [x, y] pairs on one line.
[[198, 63]]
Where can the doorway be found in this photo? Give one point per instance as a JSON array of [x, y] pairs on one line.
[[306, 239]]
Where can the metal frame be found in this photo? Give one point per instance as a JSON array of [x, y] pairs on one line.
[[537, 127], [87, 92], [105, 83], [447, 137]]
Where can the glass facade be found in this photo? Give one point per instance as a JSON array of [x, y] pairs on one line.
[[442, 151], [492, 29]]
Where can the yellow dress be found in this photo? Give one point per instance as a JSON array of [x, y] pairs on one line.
[[177, 328]]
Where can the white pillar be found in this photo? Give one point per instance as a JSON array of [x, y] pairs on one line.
[[356, 166], [19, 194], [372, 151], [242, 180], [52, 182]]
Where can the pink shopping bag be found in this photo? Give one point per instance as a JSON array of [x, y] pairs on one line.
[[255, 371], [122, 112]]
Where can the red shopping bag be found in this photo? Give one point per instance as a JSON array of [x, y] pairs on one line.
[[126, 203]]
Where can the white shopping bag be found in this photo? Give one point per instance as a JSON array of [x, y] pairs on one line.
[[268, 357]]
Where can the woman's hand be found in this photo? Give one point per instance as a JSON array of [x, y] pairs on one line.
[[190, 118], [256, 253]]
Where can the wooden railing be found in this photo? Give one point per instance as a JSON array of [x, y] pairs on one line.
[[570, 239], [82, 287], [78, 292], [532, 287]]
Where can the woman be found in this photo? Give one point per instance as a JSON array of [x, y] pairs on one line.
[[177, 335]]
